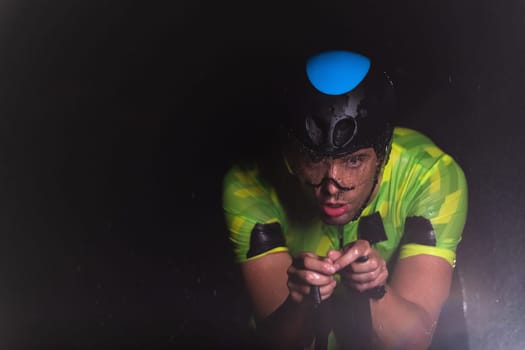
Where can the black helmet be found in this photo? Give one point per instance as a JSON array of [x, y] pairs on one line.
[[339, 104]]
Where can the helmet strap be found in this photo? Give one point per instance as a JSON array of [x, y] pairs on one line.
[[367, 200]]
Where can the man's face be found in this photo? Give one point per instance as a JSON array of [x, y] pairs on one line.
[[340, 185]]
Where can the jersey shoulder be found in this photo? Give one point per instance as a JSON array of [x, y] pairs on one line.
[[409, 143]]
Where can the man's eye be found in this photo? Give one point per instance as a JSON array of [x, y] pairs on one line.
[[354, 162]]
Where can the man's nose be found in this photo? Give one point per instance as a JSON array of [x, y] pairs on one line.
[[330, 179], [331, 168], [330, 186], [333, 179]]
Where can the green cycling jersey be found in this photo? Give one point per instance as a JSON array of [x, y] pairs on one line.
[[418, 181]]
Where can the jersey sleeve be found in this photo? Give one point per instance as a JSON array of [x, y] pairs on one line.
[[247, 202], [440, 198]]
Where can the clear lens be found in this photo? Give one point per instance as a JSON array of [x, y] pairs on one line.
[[348, 171]]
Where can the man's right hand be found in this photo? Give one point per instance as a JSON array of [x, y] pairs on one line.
[[308, 269]]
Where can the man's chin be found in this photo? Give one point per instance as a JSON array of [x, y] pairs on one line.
[[337, 220]]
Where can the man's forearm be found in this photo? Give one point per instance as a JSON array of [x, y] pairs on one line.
[[400, 324], [288, 327]]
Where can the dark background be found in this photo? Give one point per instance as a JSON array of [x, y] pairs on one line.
[[118, 120]]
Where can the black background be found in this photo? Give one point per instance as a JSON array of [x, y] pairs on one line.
[[118, 120]]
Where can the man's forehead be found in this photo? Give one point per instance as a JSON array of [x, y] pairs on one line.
[[362, 151], [367, 152]]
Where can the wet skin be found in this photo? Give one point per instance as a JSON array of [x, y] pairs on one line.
[[341, 186]]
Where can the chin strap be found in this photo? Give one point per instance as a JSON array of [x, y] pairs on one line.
[[365, 202], [288, 167]]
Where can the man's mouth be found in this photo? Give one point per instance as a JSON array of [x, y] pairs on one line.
[[334, 210]]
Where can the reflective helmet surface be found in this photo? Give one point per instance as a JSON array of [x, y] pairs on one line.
[[339, 103]]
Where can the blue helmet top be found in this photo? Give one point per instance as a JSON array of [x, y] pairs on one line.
[[337, 72]]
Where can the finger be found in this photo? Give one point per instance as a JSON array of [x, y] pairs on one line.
[[300, 291], [312, 262], [296, 296], [365, 277], [298, 288], [367, 266], [362, 286], [318, 293], [351, 253], [367, 271], [362, 272], [327, 290], [308, 277], [298, 261], [333, 255]]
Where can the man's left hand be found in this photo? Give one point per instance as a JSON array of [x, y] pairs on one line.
[[357, 273]]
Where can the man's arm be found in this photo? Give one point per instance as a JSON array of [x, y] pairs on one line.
[[278, 321], [405, 318], [265, 279], [278, 293]]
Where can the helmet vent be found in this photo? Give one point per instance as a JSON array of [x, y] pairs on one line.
[[344, 132], [315, 132]]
